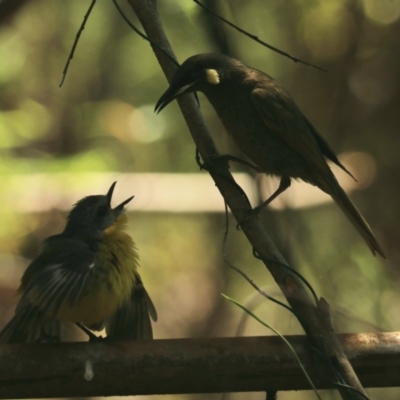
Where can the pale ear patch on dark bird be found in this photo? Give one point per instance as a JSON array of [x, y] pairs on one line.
[[212, 76]]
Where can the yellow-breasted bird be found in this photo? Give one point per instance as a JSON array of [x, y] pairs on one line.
[[85, 275], [267, 126]]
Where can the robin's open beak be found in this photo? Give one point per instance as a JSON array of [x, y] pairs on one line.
[[117, 210], [110, 192]]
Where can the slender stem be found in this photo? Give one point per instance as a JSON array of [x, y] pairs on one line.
[[77, 37], [255, 38]]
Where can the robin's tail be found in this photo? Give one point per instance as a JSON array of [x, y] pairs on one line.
[[341, 199], [132, 320]]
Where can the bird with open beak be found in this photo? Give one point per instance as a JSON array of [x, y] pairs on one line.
[[85, 275]]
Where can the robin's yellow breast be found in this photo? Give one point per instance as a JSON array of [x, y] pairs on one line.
[[113, 280]]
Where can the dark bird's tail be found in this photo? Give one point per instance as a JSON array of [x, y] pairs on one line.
[[341, 199]]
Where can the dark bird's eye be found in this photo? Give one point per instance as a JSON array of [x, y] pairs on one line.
[[101, 211]]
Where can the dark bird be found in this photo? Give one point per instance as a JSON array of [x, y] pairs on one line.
[[85, 275], [267, 126]]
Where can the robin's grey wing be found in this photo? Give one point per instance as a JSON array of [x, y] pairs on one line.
[[58, 275], [31, 326]]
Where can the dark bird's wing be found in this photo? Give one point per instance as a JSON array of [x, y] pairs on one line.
[[281, 114], [326, 149], [132, 320], [54, 279]]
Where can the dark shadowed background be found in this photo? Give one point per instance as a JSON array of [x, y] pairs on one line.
[[60, 144]]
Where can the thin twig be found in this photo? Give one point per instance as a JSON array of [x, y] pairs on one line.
[[238, 270], [142, 35], [308, 284], [255, 38], [78, 35]]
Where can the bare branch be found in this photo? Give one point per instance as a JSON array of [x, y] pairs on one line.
[[142, 35], [239, 271], [78, 35]]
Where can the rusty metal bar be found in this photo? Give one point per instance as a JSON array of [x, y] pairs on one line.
[[187, 366]]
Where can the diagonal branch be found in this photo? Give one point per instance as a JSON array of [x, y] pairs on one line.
[[77, 37], [315, 319]]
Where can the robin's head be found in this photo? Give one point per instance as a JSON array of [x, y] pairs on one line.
[[92, 215], [198, 73]]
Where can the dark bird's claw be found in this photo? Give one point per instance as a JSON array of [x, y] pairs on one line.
[[251, 214]]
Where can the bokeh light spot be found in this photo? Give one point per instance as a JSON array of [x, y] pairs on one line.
[[373, 83], [326, 30], [383, 12], [144, 126], [128, 123], [12, 55]]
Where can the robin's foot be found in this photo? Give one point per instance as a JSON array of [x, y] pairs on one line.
[[92, 336]]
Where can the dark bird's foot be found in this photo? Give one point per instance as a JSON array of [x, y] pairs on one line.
[[283, 185], [92, 336], [214, 162], [251, 214]]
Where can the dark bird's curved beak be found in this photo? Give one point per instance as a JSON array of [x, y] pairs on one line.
[[172, 93]]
